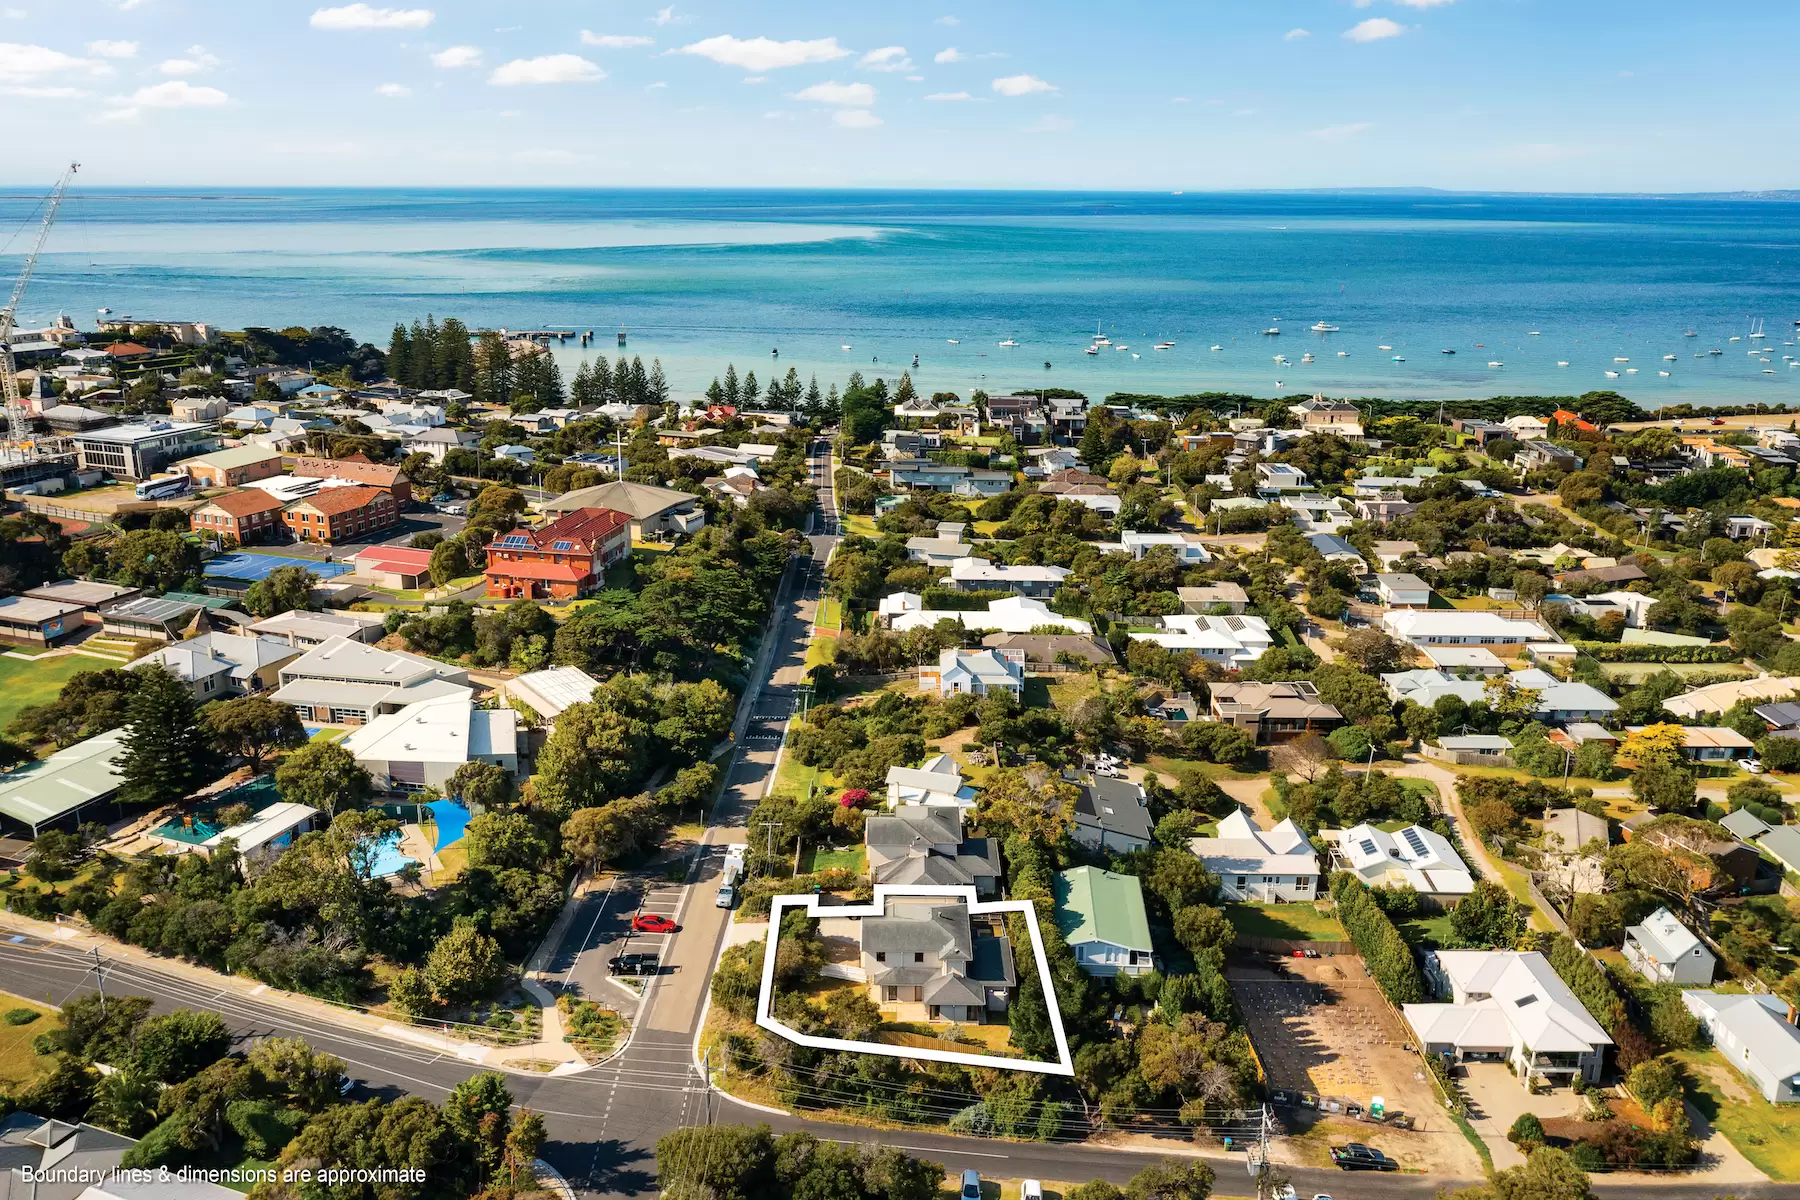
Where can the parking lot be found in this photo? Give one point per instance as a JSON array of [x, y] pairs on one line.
[[602, 930]]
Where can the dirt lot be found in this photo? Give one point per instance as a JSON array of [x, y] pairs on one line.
[[1322, 1027]]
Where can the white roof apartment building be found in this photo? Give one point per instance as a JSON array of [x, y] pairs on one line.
[[343, 682], [1254, 865], [1014, 614], [423, 744], [1234, 641], [1411, 857], [1508, 1006], [1421, 627]]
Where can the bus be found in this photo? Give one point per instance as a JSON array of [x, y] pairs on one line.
[[164, 487]]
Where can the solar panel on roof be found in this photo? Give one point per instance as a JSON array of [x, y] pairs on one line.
[[562, 545], [1414, 840], [1368, 845], [514, 539]]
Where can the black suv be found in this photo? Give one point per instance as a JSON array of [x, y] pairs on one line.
[[633, 964], [1357, 1157]]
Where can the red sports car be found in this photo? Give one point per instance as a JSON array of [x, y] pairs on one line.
[[651, 923]]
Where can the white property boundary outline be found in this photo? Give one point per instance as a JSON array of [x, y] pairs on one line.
[[1064, 1064]]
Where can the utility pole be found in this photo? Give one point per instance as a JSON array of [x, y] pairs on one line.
[[706, 1084], [1261, 1167], [771, 827], [100, 981]]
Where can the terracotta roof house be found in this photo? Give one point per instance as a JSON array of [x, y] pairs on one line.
[[127, 350], [249, 516], [562, 560]]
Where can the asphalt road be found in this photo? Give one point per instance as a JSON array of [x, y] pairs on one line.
[[604, 1122]]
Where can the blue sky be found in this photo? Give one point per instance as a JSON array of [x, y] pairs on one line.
[[1557, 95]]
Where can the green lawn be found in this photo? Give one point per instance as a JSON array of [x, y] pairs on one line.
[[859, 525], [1171, 765], [1428, 931], [24, 684], [1295, 922], [20, 1067], [830, 614], [1766, 1134], [1635, 673], [330, 735], [796, 778], [854, 859]]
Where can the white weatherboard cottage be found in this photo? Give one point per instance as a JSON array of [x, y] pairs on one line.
[[1252, 865], [1663, 950], [1752, 1033]]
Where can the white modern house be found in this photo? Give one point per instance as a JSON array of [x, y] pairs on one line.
[[1402, 590], [1508, 1006], [980, 575], [1753, 1034], [1274, 866], [975, 672], [1421, 627], [1188, 547], [1234, 641], [1013, 614], [1412, 857], [1663, 950], [936, 782], [345, 682], [423, 744]]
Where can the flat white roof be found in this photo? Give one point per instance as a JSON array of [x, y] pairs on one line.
[[265, 826], [551, 691]]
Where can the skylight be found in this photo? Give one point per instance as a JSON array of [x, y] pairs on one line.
[[1522, 1001]]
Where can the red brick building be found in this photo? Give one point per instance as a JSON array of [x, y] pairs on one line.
[[561, 560], [333, 514], [358, 469], [249, 516]]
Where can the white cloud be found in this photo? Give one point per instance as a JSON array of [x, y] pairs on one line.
[[1374, 29], [20, 62], [614, 41], [856, 118], [949, 54], [949, 96], [1179, 100], [663, 16], [197, 62], [651, 87], [113, 49], [396, 90], [1294, 35], [1341, 133], [1050, 123], [14, 14], [888, 58], [550, 68], [947, 21], [858, 95], [764, 54], [1243, 112], [915, 79], [178, 93], [1021, 85], [361, 16], [452, 57]]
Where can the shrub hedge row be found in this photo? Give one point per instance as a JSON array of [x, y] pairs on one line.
[[1620, 652], [1386, 954]]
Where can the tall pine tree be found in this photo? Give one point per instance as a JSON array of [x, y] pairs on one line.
[[731, 384], [751, 393], [399, 360], [167, 755], [602, 377], [640, 382], [455, 356], [659, 386], [493, 369]]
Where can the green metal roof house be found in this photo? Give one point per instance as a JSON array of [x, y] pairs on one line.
[[1101, 916]]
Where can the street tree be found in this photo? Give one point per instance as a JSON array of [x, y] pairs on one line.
[[324, 775]]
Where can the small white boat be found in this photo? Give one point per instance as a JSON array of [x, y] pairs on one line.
[[1399, 358], [1664, 374], [1307, 357], [1137, 356], [1343, 354], [1690, 333], [1621, 360], [1494, 362], [1322, 327], [1668, 358], [1216, 347], [1009, 342], [845, 346], [1736, 338], [1091, 350], [1272, 331], [1384, 347], [1534, 333], [1612, 374], [1121, 347], [1768, 371], [1715, 352], [1562, 362], [1102, 341], [1281, 358], [954, 341], [1631, 370]]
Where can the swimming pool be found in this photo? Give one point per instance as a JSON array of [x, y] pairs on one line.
[[388, 859]]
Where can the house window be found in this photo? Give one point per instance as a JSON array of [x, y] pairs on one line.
[[1268, 879], [890, 993], [918, 956], [1242, 883], [881, 956]]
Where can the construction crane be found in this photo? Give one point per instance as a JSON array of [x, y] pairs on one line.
[[16, 428]]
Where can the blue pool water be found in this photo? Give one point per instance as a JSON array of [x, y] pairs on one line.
[[389, 860]]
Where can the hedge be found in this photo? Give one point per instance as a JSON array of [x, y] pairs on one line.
[[1620, 652], [1588, 982], [1386, 954]]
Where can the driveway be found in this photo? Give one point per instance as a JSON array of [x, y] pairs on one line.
[[1497, 1099]]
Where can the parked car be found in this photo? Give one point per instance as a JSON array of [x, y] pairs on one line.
[[652, 923], [346, 1084], [1357, 1157], [727, 897], [971, 1185], [1031, 1189], [1754, 766], [633, 964], [451, 510]]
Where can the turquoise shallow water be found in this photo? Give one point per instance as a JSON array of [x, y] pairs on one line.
[[700, 278]]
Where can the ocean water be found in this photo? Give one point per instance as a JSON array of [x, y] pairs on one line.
[[702, 278]]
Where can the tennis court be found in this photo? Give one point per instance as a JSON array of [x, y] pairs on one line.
[[258, 566]]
